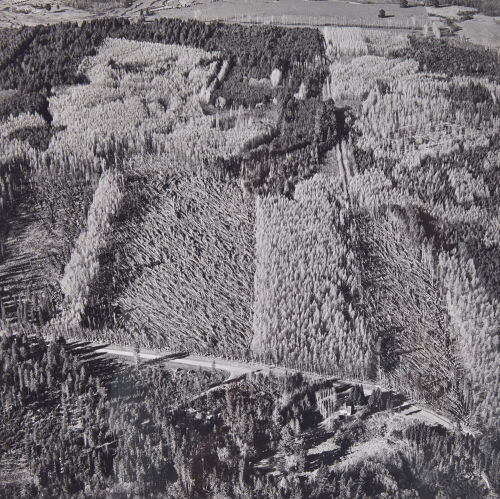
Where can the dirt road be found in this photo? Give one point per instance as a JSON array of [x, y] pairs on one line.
[[237, 369]]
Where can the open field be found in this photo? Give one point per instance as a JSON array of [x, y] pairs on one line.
[[295, 12], [308, 13], [30, 13], [481, 30]]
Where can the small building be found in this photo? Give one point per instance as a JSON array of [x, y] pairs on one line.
[[346, 409]]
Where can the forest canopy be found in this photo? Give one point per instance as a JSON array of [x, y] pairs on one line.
[[317, 206]]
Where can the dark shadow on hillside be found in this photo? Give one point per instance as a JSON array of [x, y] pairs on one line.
[[105, 368], [315, 437], [163, 359], [84, 348], [98, 364], [326, 458]]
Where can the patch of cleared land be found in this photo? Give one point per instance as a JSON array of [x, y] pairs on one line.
[[450, 12], [482, 30], [309, 13], [32, 12]]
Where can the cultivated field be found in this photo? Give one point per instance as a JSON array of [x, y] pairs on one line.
[[297, 12]]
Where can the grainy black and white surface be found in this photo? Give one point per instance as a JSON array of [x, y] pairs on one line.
[[249, 250]]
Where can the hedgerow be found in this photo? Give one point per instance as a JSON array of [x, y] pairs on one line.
[[488, 7]]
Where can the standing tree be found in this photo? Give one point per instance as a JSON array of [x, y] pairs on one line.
[[375, 400], [436, 30], [403, 4], [381, 13], [357, 395], [137, 351]]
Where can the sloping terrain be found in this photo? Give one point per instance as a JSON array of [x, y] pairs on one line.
[[325, 201], [290, 12]]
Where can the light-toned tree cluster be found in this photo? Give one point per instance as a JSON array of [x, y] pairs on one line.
[[142, 98], [326, 401], [415, 116], [360, 41], [138, 93], [355, 79], [15, 155], [307, 282], [83, 267], [14, 123]]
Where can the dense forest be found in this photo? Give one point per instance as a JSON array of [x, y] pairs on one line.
[[82, 423]]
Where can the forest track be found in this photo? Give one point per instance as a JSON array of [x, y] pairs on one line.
[[238, 369]]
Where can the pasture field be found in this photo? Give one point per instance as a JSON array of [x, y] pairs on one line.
[[290, 12], [299, 12], [477, 28]]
